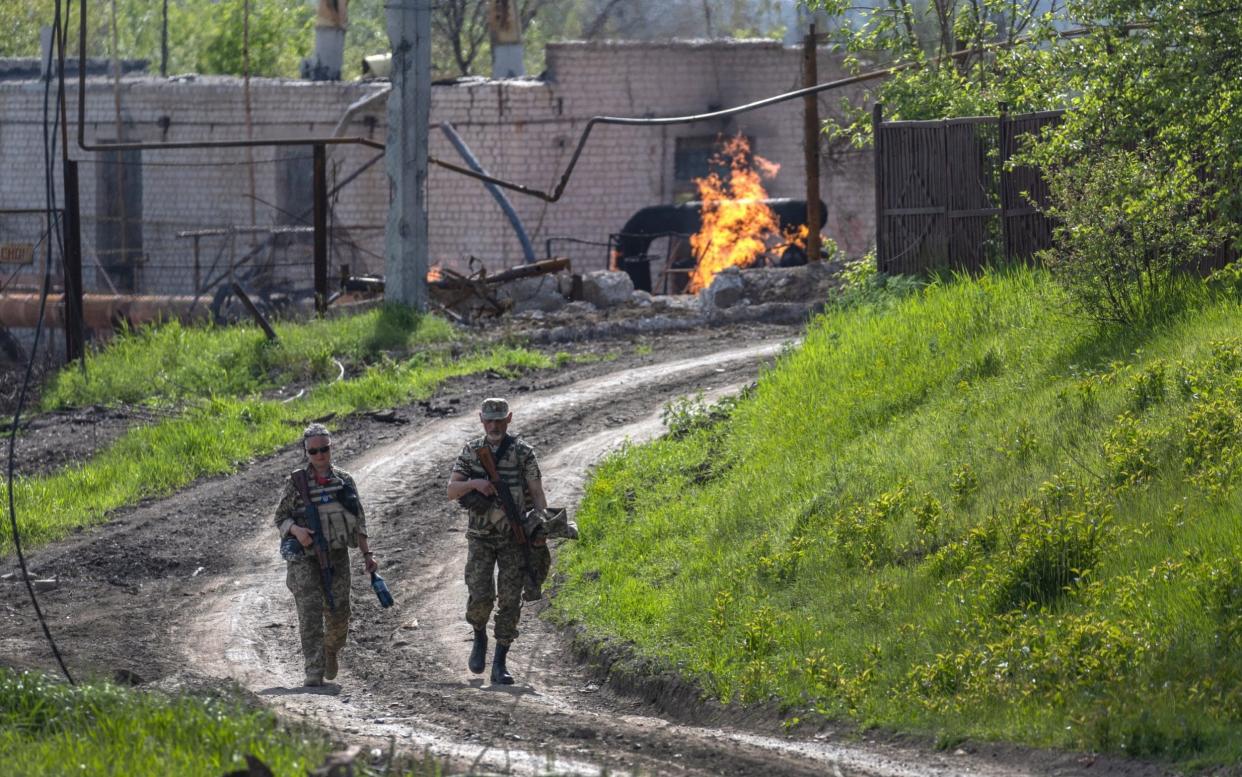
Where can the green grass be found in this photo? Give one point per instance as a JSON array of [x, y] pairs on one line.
[[53, 729], [174, 363], [961, 513], [219, 421]]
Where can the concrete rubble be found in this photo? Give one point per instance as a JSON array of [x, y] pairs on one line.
[[561, 307]]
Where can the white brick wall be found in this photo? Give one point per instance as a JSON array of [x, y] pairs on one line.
[[524, 131]]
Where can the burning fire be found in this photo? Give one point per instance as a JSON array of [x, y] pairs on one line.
[[434, 274], [738, 227]]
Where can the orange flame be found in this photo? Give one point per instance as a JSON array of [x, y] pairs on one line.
[[434, 273], [797, 236], [738, 226]]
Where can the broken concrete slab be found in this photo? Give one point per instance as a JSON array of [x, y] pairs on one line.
[[541, 293], [726, 289], [607, 288], [812, 282]]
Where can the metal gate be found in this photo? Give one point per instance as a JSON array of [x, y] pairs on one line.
[[944, 198]]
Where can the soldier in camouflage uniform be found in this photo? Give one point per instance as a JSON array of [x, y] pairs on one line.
[[493, 548], [341, 516]]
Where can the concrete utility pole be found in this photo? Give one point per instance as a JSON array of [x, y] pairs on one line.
[[409, 109]]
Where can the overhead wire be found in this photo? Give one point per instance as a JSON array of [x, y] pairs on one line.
[[54, 228]]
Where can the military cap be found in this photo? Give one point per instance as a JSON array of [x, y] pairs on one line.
[[495, 409]]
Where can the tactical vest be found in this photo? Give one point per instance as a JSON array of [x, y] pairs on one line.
[[340, 526], [489, 517]]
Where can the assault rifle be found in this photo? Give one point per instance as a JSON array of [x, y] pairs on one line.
[[321, 540], [512, 513]]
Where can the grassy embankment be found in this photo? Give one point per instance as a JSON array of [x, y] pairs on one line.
[[962, 513], [217, 387], [50, 729]]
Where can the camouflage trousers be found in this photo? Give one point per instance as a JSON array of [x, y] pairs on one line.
[[320, 628], [494, 576]]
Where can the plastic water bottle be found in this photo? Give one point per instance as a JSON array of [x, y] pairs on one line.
[[381, 590]]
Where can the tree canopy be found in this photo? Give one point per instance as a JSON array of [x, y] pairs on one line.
[[205, 36]]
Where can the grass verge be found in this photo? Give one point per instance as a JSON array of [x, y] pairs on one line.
[[961, 513], [174, 363], [50, 729], [53, 729]]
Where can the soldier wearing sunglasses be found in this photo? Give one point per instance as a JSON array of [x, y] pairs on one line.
[[322, 628]]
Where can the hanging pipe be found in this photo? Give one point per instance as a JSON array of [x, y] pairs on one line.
[[528, 250]]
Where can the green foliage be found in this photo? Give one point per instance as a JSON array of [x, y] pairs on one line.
[[1049, 555], [172, 363], [1127, 223], [863, 284], [1040, 550], [685, 415], [1220, 585], [280, 35], [49, 728], [920, 36]]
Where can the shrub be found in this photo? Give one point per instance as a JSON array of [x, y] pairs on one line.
[[1129, 221], [1051, 554], [688, 414], [1221, 589]]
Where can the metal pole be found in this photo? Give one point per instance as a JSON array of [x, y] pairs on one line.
[[321, 228], [1002, 128], [877, 148], [409, 108], [197, 268], [75, 333], [810, 126]]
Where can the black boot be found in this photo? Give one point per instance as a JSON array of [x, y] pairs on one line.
[[500, 675], [478, 653]]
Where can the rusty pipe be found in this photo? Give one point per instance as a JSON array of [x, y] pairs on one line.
[[100, 311]]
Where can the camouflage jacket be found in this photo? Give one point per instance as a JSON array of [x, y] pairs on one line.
[[517, 468]]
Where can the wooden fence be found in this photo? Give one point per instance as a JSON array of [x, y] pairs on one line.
[[944, 199]]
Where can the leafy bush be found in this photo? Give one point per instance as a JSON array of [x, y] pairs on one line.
[[863, 284], [1130, 221], [1051, 555], [1221, 588], [688, 414]]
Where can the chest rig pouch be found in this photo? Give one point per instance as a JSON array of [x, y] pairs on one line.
[[486, 513], [340, 526]]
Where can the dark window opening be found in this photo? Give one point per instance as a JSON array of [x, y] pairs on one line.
[[118, 219]]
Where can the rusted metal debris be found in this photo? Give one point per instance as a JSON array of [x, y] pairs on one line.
[[466, 297], [254, 312]]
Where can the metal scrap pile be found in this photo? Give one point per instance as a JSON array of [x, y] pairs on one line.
[[479, 295]]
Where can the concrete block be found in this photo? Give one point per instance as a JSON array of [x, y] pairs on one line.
[[607, 288]]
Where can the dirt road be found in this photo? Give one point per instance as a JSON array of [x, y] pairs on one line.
[[190, 590]]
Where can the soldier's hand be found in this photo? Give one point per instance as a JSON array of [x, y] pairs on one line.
[[304, 535], [484, 487], [369, 564]]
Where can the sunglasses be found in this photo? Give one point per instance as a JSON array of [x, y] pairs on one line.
[[313, 451]]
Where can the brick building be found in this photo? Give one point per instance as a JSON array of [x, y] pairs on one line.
[[136, 218]]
